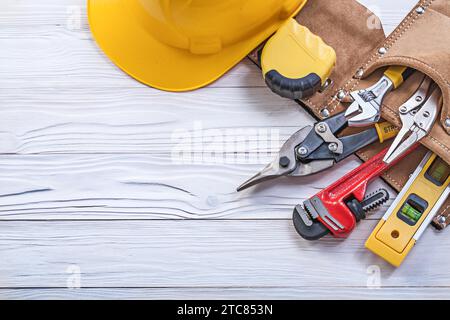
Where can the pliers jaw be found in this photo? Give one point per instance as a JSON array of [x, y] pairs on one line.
[[417, 115], [285, 163], [313, 149]]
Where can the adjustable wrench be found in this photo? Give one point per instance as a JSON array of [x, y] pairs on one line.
[[366, 104]]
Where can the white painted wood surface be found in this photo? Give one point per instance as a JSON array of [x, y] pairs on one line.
[[90, 194]]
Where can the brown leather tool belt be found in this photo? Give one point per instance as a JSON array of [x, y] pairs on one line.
[[421, 41]]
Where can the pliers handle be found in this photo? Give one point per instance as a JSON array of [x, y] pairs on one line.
[[322, 143]]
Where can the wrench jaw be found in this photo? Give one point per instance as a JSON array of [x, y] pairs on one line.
[[314, 220], [366, 107], [307, 227], [319, 216], [362, 114]]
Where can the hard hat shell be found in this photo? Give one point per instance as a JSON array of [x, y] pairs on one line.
[[180, 45]]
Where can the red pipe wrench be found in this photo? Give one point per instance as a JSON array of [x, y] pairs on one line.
[[340, 206]]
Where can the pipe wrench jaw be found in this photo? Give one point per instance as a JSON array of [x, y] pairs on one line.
[[307, 227], [317, 217]]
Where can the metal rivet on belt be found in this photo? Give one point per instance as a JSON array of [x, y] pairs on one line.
[[325, 113], [442, 219], [359, 73], [447, 122], [382, 50], [341, 94], [325, 86], [420, 10]]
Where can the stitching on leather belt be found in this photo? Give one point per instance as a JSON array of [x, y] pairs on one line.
[[422, 63], [401, 58], [405, 25], [352, 83], [392, 180]]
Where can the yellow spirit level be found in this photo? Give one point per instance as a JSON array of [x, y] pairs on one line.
[[412, 211]]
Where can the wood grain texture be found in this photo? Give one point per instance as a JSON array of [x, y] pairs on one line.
[[221, 253], [124, 186], [245, 293], [142, 120], [91, 176]]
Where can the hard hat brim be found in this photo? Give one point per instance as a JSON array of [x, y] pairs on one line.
[[154, 63]]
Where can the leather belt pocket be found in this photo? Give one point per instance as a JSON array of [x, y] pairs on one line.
[[421, 45], [415, 43], [421, 41]]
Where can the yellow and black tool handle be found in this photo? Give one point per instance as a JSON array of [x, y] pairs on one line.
[[293, 88], [350, 143], [398, 74], [386, 131], [295, 62], [380, 132]]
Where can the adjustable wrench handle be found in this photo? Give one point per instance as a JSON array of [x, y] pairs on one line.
[[398, 74], [351, 186]]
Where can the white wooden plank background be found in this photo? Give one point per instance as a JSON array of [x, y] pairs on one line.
[[90, 195]]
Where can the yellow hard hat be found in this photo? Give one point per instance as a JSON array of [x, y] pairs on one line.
[[180, 45]]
